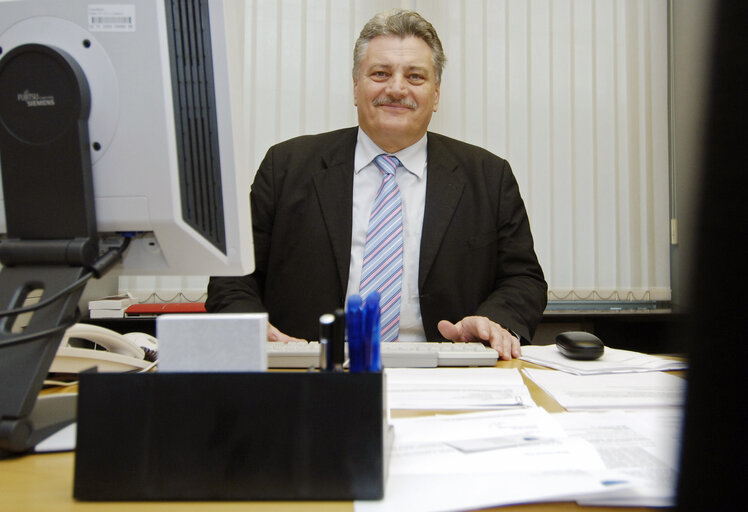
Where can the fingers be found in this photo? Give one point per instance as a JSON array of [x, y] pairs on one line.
[[494, 335], [516, 347], [504, 342], [275, 335], [480, 328], [449, 330]]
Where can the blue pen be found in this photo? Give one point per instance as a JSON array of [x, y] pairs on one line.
[[354, 325], [371, 333]]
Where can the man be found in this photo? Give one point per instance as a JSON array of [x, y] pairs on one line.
[[462, 265]]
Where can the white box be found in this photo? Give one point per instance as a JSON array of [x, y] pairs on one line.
[[221, 342]]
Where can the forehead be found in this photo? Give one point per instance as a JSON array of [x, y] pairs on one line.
[[392, 50]]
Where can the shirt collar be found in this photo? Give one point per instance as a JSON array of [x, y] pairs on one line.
[[413, 158]]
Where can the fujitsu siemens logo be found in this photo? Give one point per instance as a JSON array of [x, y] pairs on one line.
[[34, 99]]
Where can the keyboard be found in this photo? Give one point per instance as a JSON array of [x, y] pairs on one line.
[[305, 354]]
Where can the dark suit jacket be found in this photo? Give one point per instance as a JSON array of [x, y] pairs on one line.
[[477, 255]]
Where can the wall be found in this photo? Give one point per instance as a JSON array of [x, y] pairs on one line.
[[574, 93], [690, 46]]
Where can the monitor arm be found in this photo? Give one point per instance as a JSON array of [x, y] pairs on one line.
[[52, 240]]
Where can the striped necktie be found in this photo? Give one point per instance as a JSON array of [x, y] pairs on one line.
[[382, 269]]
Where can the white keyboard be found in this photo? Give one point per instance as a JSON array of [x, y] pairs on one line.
[[302, 354]]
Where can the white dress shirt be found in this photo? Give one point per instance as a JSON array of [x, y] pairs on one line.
[[411, 179]]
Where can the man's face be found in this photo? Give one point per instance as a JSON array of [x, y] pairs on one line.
[[396, 91]]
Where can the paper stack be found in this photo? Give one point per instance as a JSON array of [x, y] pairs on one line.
[[612, 391], [456, 388], [487, 459], [113, 306], [613, 361]]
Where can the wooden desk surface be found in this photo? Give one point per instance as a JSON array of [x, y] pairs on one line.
[[44, 482]]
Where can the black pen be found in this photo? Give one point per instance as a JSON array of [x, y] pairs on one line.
[[338, 340], [326, 342]]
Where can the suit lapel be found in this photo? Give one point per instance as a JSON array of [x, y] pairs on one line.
[[333, 182], [444, 185]]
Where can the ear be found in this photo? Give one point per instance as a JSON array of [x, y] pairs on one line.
[[355, 92], [436, 97]]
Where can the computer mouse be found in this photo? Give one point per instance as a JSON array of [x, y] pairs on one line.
[[580, 345]]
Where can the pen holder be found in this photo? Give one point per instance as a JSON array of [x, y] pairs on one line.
[[232, 436]]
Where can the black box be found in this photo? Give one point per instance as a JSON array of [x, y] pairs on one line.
[[232, 436]]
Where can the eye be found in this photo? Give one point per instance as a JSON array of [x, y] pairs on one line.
[[380, 75], [416, 78]]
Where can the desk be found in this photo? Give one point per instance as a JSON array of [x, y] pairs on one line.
[[44, 482], [649, 331]]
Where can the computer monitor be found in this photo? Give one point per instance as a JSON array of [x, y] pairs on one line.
[[714, 456], [120, 138], [165, 123]]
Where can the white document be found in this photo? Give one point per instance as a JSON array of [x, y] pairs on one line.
[[612, 361], [456, 388], [643, 445], [475, 460], [61, 441], [446, 493], [486, 442], [612, 391]]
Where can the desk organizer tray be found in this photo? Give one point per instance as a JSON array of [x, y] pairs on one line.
[[231, 436]]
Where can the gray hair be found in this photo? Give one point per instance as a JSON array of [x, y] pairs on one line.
[[400, 23]]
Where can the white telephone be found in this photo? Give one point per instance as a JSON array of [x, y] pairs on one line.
[[117, 352]]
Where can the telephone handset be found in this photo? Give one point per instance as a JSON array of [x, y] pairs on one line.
[[115, 352]]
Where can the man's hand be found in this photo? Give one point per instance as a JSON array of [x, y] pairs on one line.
[[480, 328], [275, 335]]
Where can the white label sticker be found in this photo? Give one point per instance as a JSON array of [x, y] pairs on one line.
[[111, 18]]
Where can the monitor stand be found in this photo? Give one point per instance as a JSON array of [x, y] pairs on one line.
[[52, 239], [24, 365]]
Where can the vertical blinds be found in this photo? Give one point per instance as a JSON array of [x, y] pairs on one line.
[[572, 92]]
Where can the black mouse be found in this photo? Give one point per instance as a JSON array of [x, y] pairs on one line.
[[579, 345]]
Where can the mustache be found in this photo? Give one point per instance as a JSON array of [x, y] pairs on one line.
[[388, 100]]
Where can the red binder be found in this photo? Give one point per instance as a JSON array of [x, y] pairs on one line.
[[158, 309]]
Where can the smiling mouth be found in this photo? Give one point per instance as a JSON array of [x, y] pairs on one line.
[[397, 107]]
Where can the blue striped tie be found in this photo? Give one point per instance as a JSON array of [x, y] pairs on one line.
[[382, 269]]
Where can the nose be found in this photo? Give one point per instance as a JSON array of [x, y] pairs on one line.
[[397, 85]]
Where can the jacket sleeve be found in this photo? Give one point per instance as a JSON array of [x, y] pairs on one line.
[[244, 294], [519, 293]]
